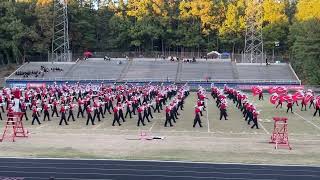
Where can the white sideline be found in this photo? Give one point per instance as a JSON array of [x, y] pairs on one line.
[[310, 122]]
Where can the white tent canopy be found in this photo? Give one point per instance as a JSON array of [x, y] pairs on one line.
[[214, 53]]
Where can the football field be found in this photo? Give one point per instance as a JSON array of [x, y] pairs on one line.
[[225, 141]]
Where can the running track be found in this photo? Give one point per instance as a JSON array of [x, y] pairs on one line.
[[145, 170]]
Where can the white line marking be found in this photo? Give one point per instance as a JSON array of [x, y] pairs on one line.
[[208, 115], [155, 121], [310, 122], [265, 130]]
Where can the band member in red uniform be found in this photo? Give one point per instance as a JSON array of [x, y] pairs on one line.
[[96, 111], [46, 112], [63, 115], [35, 115], [140, 119], [304, 104], [23, 110], [197, 119], [71, 107], [128, 103], [255, 119], [106, 104], [279, 103], [145, 112], [157, 104], [223, 111], [115, 116], [1, 103], [80, 110], [120, 112], [317, 108], [261, 96], [289, 106], [168, 117], [55, 109], [89, 116]]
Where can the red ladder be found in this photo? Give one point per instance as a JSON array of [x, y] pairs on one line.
[[280, 133]]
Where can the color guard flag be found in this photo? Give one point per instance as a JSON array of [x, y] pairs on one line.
[[308, 98], [298, 96], [281, 90], [256, 90], [274, 98]]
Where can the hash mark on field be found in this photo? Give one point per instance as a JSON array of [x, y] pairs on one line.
[[41, 126], [96, 127], [310, 122]]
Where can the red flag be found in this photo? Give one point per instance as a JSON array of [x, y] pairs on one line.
[[256, 90], [281, 90], [298, 96], [308, 97], [274, 98], [284, 98], [272, 89]]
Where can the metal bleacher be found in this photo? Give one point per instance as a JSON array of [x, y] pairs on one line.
[[153, 70]]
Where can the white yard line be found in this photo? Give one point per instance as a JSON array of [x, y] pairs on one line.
[[265, 130], [310, 122], [155, 121], [208, 116]]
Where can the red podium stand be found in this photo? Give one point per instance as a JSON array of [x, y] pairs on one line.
[[280, 132], [14, 124]]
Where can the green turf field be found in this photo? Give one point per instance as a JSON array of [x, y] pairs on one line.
[[217, 141]]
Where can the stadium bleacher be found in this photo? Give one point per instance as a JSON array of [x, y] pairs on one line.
[[161, 70]]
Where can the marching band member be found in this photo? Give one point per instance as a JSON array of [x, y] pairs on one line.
[[63, 115], [89, 116], [55, 109], [71, 107], [197, 119], [23, 110], [35, 115], [168, 117], [317, 108], [149, 106], [289, 105], [115, 116], [223, 110], [96, 110], [145, 112], [80, 110], [46, 112], [255, 119], [140, 119], [120, 111], [128, 103]]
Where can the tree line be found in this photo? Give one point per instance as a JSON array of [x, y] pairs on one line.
[[164, 25]]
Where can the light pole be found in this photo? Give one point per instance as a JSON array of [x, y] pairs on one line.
[[276, 44]]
